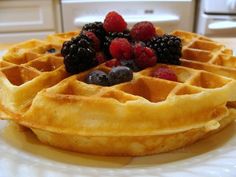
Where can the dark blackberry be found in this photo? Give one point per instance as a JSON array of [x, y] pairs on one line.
[[79, 54], [167, 47], [107, 41], [96, 28]]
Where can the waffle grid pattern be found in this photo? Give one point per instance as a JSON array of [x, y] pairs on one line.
[[202, 53]]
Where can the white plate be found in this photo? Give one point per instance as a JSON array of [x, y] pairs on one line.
[[22, 155]]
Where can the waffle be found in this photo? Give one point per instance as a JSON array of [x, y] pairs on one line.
[[144, 116], [30, 50], [60, 38], [26, 69], [202, 53]]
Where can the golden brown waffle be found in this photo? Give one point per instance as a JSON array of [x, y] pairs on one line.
[[144, 116], [203, 53], [23, 77], [59, 38], [30, 50]]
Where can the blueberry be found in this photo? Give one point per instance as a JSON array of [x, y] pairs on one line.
[[52, 50], [97, 77], [120, 74], [131, 64]]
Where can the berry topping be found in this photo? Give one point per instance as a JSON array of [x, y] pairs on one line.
[[112, 63], [52, 50], [167, 47], [107, 40], [136, 49], [93, 37], [121, 49], [100, 57], [96, 28], [114, 22], [120, 74], [97, 77], [165, 73], [130, 64], [79, 54], [144, 56], [143, 31]]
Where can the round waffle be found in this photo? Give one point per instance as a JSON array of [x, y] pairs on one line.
[[144, 116]]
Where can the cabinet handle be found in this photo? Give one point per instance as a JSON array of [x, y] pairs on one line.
[[222, 25]]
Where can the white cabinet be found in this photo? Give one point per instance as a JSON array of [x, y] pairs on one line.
[[26, 19]]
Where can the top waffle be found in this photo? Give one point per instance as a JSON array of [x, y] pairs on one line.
[[26, 69], [139, 107], [203, 53], [144, 107]]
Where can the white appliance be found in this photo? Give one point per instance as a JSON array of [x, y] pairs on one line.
[[217, 18], [168, 14]]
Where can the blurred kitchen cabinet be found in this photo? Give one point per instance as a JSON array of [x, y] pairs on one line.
[[27, 19]]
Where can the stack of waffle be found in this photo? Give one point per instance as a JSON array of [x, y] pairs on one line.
[[144, 116]]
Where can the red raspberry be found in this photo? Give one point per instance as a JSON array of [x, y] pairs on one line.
[[165, 73], [100, 57], [144, 56], [114, 22], [143, 31], [94, 38], [121, 49], [112, 63]]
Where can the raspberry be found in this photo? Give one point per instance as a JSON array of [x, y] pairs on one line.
[[121, 49], [110, 36], [100, 57], [94, 38], [143, 56], [112, 63], [165, 73], [143, 31], [114, 22]]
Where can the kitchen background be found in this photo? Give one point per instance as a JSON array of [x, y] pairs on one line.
[[26, 19]]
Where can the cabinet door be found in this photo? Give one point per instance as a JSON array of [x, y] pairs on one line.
[[26, 15]]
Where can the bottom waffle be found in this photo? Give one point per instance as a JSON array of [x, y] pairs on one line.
[[144, 116], [131, 145]]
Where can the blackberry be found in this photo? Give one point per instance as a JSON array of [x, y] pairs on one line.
[[107, 40], [167, 47], [96, 28], [79, 54]]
